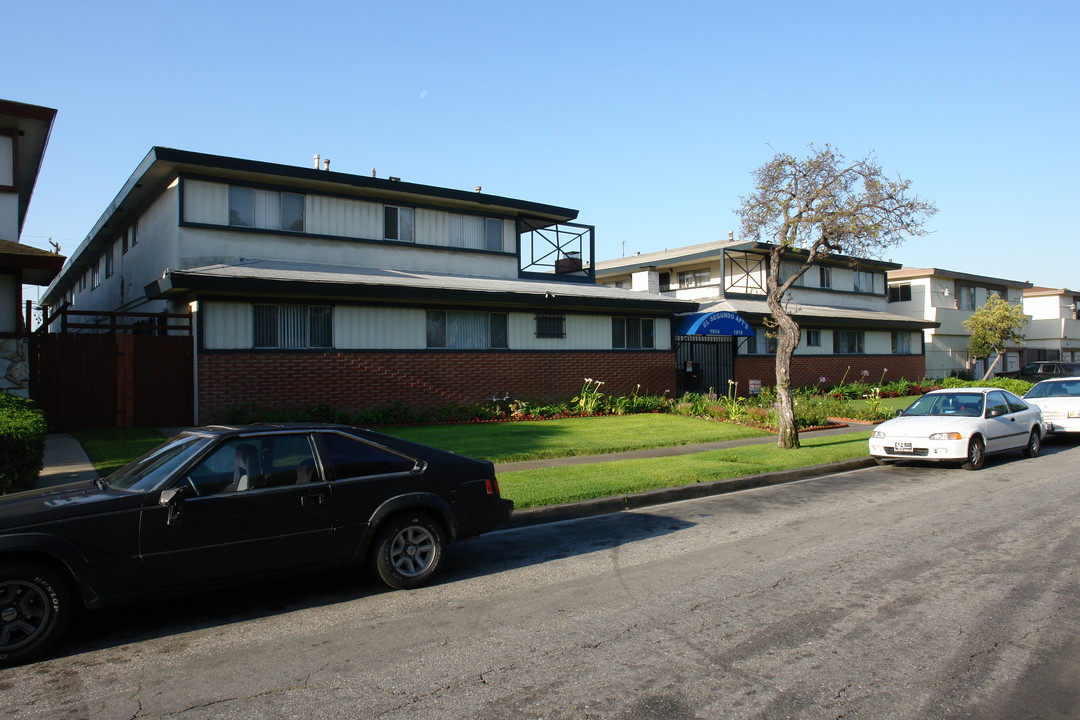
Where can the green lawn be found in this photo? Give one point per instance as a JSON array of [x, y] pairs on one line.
[[551, 486], [516, 441], [110, 450]]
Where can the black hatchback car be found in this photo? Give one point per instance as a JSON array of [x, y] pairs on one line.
[[220, 506]]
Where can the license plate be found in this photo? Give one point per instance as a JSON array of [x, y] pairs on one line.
[[902, 447]]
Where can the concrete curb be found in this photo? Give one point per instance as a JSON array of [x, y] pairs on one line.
[[619, 503]]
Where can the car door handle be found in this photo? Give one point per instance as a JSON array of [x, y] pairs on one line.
[[311, 500]]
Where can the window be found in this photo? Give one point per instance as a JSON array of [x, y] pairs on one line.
[[813, 338], [349, 457], [460, 330], [621, 284], [901, 343], [109, 261], [493, 230], [632, 333], [398, 223], [864, 281], [760, 343], [848, 342], [665, 281], [95, 274], [134, 232], [694, 278], [550, 326], [965, 297], [900, 293], [293, 326], [825, 277], [265, 209]]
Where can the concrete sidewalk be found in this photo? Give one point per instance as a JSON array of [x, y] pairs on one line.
[[65, 462]]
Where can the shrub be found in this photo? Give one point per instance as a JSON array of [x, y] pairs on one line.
[[22, 443]]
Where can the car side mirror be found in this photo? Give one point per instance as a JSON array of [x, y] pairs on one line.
[[172, 499], [995, 412]]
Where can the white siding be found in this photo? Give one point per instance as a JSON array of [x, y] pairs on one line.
[[226, 325], [357, 328], [342, 217]]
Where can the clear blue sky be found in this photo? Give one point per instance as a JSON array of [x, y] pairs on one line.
[[646, 117]]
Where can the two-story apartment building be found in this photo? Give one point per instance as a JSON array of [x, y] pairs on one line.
[[313, 287], [1053, 330], [949, 298], [840, 304], [24, 133]]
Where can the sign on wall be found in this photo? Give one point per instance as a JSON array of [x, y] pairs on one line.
[[722, 322]]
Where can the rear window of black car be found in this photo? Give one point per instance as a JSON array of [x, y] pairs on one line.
[[345, 456]]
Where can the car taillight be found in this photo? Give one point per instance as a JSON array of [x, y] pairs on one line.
[[492, 486]]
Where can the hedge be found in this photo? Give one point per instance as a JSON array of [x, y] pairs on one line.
[[22, 443]]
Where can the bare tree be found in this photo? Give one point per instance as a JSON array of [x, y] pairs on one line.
[[809, 208]]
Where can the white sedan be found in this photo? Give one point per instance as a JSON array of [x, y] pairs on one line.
[[1059, 400], [959, 425]]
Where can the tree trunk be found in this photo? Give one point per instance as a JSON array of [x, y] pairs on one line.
[[786, 342], [992, 365]]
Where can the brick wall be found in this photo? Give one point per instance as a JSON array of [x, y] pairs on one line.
[[809, 369], [353, 381]]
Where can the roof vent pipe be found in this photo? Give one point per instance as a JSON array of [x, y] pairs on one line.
[[326, 164], [316, 161]]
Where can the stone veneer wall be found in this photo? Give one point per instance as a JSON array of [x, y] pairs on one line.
[[14, 366]]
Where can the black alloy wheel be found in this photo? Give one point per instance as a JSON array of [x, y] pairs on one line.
[[34, 608]]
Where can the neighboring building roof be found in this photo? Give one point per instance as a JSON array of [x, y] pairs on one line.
[[270, 277], [908, 273], [38, 267], [754, 311], [710, 250], [33, 124], [1048, 292]]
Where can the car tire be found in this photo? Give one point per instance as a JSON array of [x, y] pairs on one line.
[[35, 604], [408, 550], [976, 454], [1034, 444]]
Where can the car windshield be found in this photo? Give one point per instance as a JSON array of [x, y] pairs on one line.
[[962, 404], [153, 467], [1055, 388]]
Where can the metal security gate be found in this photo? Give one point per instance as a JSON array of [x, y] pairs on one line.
[[705, 363]]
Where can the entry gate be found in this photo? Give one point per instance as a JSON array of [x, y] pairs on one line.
[[706, 362]]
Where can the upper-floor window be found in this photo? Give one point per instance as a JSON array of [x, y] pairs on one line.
[[293, 326], [550, 326], [265, 209], [464, 330], [694, 278], [848, 342], [965, 297], [95, 274], [475, 232], [900, 293], [632, 333], [864, 281], [109, 260], [398, 223], [824, 276], [621, 284]]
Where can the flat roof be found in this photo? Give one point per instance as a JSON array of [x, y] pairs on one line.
[[906, 273]]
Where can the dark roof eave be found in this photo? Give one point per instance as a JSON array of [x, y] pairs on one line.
[[176, 284], [826, 322]]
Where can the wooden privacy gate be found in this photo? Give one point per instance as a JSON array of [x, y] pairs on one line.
[[109, 378]]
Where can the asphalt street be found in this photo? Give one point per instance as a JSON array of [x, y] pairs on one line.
[[900, 592]]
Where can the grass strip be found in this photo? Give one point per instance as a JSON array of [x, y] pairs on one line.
[[112, 449], [502, 442], [552, 486]]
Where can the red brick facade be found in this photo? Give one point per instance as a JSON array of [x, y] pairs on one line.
[[809, 369], [352, 381]]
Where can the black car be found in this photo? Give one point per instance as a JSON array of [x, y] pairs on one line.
[[1044, 370], [219, 506]]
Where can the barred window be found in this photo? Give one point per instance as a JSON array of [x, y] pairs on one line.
[[632, 333], [550, 326], [459, 330], [293, 326]]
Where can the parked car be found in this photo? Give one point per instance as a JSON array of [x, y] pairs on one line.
[[1059, 401], [219, 506], [1044, 370], [962, 424]]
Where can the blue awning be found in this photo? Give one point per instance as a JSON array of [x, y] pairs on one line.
[[713, 323]]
